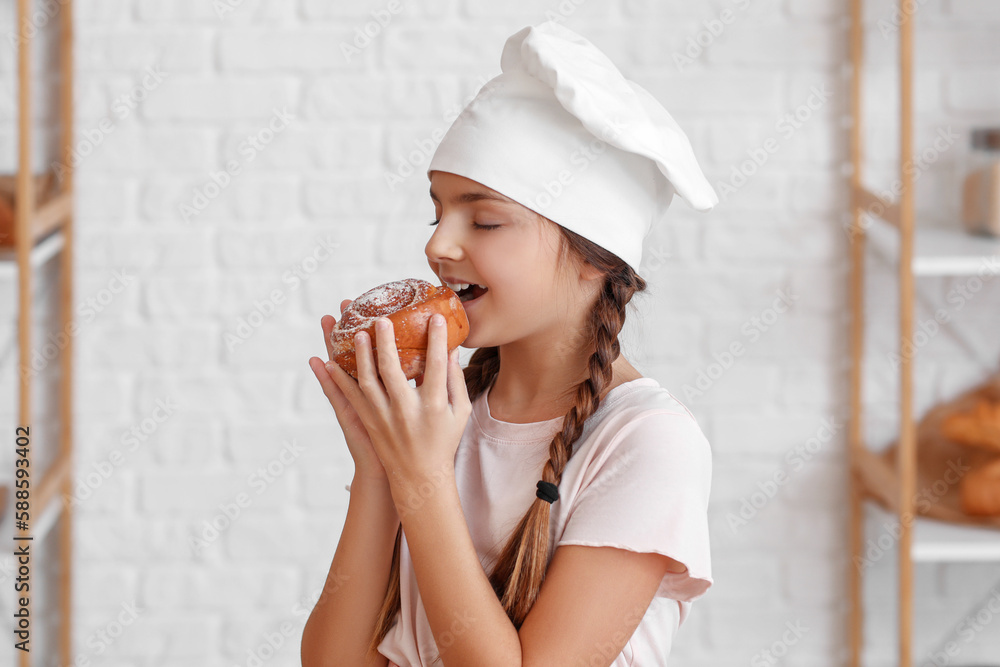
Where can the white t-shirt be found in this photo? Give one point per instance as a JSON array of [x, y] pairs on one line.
[[639, 479]]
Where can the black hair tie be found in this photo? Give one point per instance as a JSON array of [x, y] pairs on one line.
[[547, 491]]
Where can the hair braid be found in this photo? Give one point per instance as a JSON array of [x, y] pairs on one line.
[[520, 567]]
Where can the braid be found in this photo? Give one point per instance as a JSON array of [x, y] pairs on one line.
[[520, 568], [482, 370]]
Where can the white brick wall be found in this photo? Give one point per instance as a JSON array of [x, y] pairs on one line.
[[354, 120]]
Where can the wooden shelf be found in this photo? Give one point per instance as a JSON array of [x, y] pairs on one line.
[[938, 541], [45, 250], [880, 483], [52, 211], [46, 215], [937, 251]]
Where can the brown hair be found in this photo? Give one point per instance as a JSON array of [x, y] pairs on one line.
[[520, 568]]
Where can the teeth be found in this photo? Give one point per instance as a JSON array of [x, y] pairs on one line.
[[458, 287]]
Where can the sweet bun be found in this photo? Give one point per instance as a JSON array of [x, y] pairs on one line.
[[978, 426], [409, 305], [980, 490]]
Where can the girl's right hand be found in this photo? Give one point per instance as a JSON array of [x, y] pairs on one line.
[[366, 462]]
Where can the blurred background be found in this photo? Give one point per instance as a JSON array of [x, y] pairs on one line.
[[239, 167]]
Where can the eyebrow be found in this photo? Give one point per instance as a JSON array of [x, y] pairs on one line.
[[470, 197]]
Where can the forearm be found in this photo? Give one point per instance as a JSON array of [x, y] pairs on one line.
[[342, 622], [469, 624]]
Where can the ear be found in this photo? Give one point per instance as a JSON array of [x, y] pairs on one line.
[[588, 272]]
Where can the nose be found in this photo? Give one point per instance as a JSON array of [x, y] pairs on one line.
[[444, 244]]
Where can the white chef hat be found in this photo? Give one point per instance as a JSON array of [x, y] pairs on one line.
[[562, 132]]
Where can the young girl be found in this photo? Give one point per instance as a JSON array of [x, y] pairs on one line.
[[548, 503]]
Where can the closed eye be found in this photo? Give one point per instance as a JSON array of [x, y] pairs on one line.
[[475, 225]]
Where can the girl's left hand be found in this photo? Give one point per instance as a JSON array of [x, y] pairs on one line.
[[415, 430]]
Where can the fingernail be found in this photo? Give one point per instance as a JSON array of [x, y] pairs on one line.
[[359, 338], [382, 323], [438, 319]]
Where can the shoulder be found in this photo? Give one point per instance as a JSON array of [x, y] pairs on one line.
[[646, 410], [644, 431]]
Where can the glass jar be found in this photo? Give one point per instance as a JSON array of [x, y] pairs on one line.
[[981, 191]]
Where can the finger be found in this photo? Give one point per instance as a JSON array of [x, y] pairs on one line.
[[458, 392], [328, 322], [436, 373], [344, 304], [392, 373], [368, 382], [330, 388], [348, 388]]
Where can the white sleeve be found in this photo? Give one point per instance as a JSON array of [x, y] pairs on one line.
[[651, 495]]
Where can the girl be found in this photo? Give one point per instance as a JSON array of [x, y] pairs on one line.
[[547, 504]]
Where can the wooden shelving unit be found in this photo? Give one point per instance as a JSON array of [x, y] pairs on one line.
[[42, 231], [889, 226]]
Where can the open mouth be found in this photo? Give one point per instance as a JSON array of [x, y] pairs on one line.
[[471, 293]]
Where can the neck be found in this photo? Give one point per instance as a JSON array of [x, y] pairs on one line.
[[538, 378]]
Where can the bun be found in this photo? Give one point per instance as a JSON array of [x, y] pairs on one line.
[[409, 305], [978, 426], [980, 490]]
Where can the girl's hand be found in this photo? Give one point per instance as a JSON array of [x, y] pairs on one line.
[[414, 430], [366, 462]]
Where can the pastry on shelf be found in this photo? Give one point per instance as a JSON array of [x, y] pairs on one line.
[[955, 457], [978, 425], [980, 490], [45, 186]]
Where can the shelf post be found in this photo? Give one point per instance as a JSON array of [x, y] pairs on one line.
[[66, 325], [24, 211], [856, 291], [907, 438]]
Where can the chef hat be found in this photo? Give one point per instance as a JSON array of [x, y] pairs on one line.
[[562, 132]]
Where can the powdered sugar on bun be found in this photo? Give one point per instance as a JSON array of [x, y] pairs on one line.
[[381, 301]]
